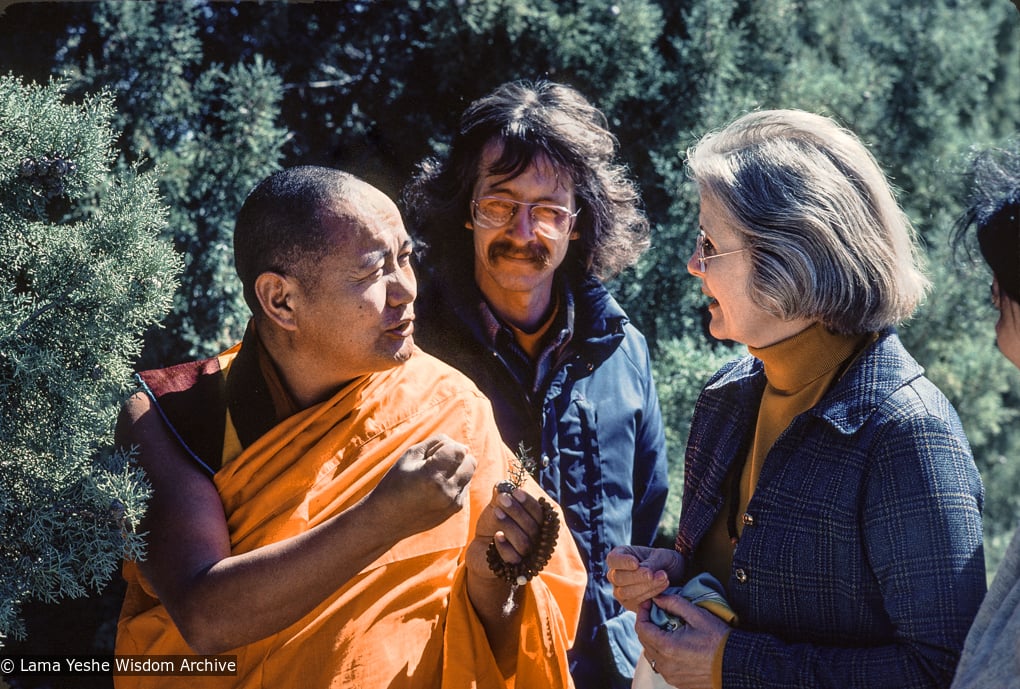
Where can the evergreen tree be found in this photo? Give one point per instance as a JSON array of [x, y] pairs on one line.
[[82, 274], [373, 87]]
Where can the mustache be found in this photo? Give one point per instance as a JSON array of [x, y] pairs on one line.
[[536, 253]]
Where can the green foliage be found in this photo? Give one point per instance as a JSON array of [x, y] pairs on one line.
[[211, 133], [859, 61], [374, 87], [82, 274], [508, 40], [953, 335]]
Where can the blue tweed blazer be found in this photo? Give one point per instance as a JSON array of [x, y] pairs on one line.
[[860, 563]]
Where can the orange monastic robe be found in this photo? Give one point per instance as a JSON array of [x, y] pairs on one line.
[[405, 620]]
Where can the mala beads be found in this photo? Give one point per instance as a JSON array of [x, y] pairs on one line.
[[521, 573]]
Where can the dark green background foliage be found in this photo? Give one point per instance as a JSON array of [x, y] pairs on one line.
[[211, 96], [211, 132]]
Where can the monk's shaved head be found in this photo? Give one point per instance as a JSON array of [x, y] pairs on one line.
[[293, 219]]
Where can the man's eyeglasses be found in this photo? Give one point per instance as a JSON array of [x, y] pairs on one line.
[[704, 250], [492, 212]]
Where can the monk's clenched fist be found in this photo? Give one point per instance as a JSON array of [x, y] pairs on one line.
[[427, 484]]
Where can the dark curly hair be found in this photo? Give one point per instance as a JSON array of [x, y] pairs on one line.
[[993, 208], [532, 119]]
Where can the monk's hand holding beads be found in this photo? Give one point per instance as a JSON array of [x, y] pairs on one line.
[[520, 566]]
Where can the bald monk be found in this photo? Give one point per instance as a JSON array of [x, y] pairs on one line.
[[324, 492]]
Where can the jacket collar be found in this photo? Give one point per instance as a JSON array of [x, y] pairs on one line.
[[594, 317], [882, 368]]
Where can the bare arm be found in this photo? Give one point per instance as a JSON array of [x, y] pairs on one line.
[[220, 601]]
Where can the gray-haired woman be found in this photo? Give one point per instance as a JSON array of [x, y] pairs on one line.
[[828, 484]]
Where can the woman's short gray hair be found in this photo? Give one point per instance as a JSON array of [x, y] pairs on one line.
[[826, 237]]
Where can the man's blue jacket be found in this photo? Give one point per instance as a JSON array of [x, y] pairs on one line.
[[588, 413]]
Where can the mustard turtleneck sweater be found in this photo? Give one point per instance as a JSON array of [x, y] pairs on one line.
[[798, 372]]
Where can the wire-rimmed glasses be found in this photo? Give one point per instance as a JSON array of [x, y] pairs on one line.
[[493, 212], [700, 253]]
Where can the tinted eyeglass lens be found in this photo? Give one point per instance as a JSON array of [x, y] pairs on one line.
[[491, 213]]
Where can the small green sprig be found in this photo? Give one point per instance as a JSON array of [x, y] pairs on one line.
[[522, 466]]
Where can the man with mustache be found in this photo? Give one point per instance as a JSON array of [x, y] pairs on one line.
[[522, 221], [324, 502]]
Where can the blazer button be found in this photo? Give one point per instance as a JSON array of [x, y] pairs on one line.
[[545, 461], [748, 519], [741, 575]]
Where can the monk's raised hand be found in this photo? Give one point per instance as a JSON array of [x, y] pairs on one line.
[[639, 573], [427, 484]]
